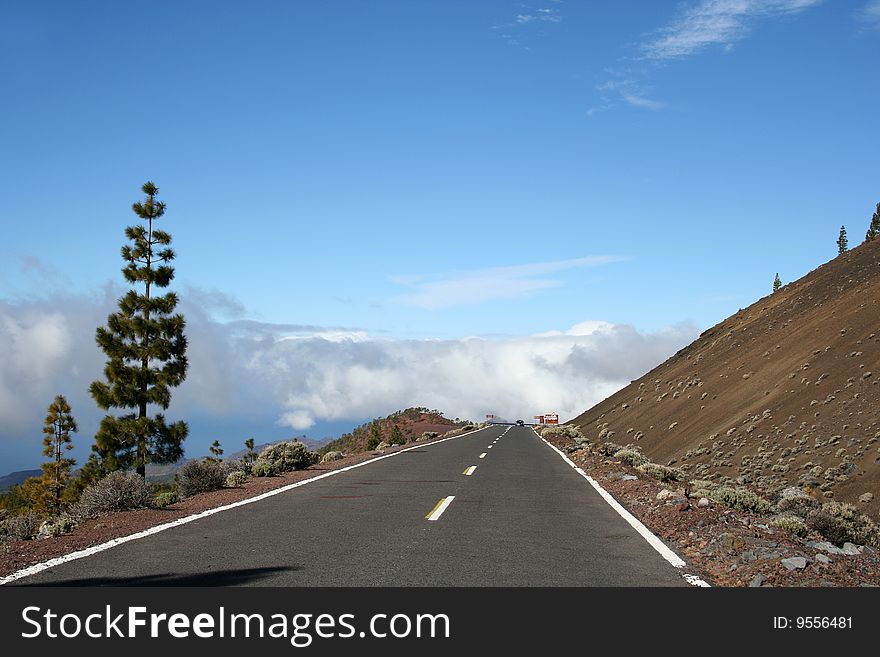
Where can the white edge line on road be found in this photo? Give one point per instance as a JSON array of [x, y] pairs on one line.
[[441, 507], [79, 554], [653, 540]]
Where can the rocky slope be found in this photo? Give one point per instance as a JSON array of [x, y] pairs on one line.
[[783, 393]]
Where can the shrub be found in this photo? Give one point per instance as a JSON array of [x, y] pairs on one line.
[[740, 498], [331, 456], [662, 472], [200, 477], [630, 456], [609, 449], [428, 435], [701, 488], [563, 431], [791, 524], [62, 524], [841, 523], [23, 526], [118, 491], [166, 498], [799, 505], [239, 465], [235, 479], [262, 468], [289, 455]]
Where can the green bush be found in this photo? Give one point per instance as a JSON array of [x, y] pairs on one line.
[[741, 499], [791, 524], [841, 523], [331, 456], [262, 468], [240, 465], [118, 491], [23, 526], [609, 449], [662, 472], [563, 431], [798, 505], [58, 526], [166, 498], [630, 456], [701, 488], [200, 477], [235, 479], [288, 456]]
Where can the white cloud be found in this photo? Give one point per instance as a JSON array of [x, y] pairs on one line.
[[640, 101], [297, 420], [540, 15], [870, 13], [239, 371], [716, 22], [624, 87], [479, 286], [525, 25]]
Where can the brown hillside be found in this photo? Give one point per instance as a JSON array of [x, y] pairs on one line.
[[783, 393]]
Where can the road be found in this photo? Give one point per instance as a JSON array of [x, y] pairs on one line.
[[522, 517]]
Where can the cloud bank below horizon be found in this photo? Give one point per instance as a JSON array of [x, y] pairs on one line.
[[300, 376]]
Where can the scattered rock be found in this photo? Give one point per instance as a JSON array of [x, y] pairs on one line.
[[704, 501], [821, 558], [665, 494], [866, 497], [850, 550], [757, 580], [794, 563]]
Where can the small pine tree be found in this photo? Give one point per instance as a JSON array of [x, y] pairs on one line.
[[776, 282], [842, 243], [375, 436], [146, 353], [396, 437], [874, 228], [216, 451], [58, 426]]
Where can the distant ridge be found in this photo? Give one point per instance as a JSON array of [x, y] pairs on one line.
[[16, 478]]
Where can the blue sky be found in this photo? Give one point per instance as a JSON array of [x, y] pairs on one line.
[[422, 199]]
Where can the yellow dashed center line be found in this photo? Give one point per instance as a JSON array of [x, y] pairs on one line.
[[438, 510]]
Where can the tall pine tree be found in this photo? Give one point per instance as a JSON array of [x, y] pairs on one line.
[[146, 352], [842, 242], [874, 228], [777, 283], [58, 426]]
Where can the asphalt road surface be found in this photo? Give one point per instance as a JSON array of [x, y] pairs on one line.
[[522, 517]]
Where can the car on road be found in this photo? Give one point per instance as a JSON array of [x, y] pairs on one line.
[[520, 423]]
